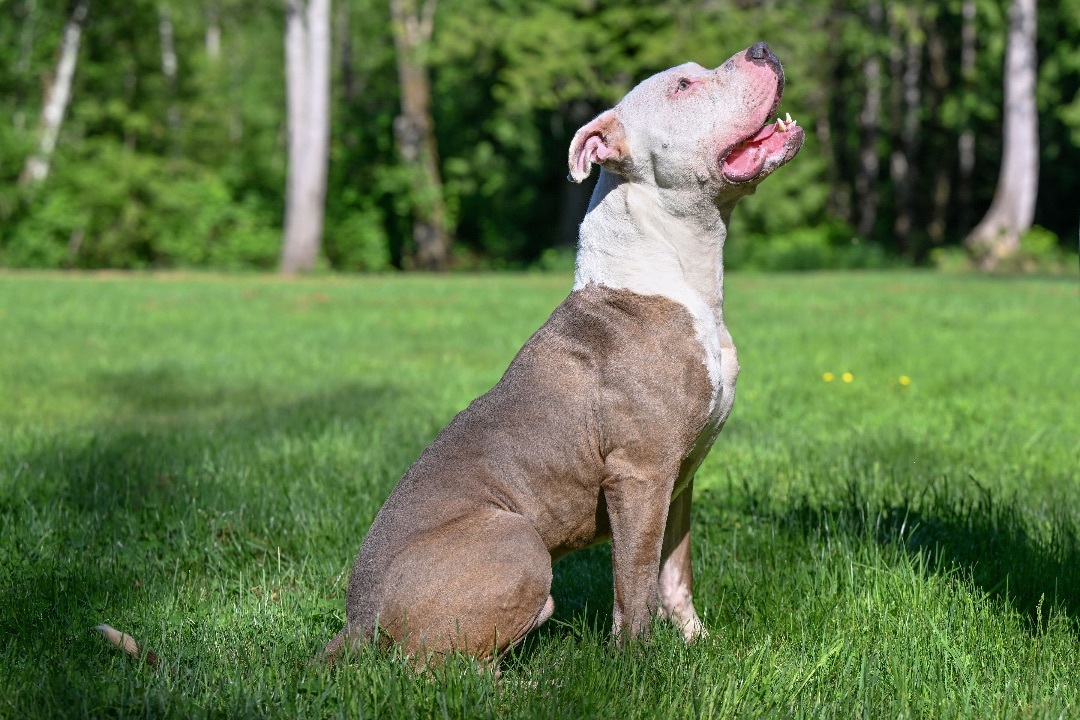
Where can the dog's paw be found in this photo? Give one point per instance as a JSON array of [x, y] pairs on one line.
[[694, 630]]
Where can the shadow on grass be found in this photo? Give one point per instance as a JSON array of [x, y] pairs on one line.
[[113, 484], [103, 518], [165, 425], [1029, 562]]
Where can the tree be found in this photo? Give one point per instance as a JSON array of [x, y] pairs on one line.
[[307, 79], [169, 70], [866, 180], [173, 149], [1012, 210], [414, 131], [907, 67], [57, 95]]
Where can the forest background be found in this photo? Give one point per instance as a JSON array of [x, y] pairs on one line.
[[173, 147]]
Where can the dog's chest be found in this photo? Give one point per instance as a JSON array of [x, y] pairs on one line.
[[722, 365], [720, 360]]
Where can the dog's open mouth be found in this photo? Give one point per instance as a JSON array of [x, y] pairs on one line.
[[761, 153]]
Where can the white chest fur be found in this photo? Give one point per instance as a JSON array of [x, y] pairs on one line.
[[630, 240]]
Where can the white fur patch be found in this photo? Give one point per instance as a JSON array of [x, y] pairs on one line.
[[646, 250]]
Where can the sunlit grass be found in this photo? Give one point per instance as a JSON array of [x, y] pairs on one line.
[[195, 460]]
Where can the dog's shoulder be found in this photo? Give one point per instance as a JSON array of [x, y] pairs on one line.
[[621, 326], [605, 321], [637, 355]]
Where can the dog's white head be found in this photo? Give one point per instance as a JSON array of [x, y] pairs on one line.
[[694, 129]]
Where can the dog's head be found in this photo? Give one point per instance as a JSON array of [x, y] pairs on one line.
[[690, 128]]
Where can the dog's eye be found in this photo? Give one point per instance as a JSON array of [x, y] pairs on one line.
[[684, 84]]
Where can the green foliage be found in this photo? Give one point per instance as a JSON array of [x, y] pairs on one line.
[[195, 460], [358, 241], [833, 245], [1041, 252], [556, 259], [951, 259], [112, 207], [511, 80]]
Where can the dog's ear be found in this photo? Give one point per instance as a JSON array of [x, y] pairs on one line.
[[602, 141]]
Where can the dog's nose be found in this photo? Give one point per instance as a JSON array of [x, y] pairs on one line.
[[759, 52]]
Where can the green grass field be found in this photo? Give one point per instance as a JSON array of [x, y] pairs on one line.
[[195, 460]]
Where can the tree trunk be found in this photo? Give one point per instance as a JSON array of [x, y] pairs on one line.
[[168, 69], [866, 181], [414, 131], [965, 145], [940, 81], [22, 65], [350, 92], [823, 108], [212, 37], [902, 162], [307, 78], [1012, 211], [57, 95], [575, 196]]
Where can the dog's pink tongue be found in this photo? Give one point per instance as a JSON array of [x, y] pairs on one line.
[[763, 133], [747, 158]]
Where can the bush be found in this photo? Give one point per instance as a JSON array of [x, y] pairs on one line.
[[113, 207], [556, 259], [358, 241], [822, 247], [1040, 251]]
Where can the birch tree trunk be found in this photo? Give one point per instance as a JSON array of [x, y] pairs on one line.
[[307, 79], [57, 95], [414, 132], [1012, 211]]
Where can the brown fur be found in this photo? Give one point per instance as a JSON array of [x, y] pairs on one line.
[[582, 439], [597, 427]]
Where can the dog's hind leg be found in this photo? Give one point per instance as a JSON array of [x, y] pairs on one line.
[[478, 592]]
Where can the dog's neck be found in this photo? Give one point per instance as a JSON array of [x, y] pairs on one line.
[[640, 238]]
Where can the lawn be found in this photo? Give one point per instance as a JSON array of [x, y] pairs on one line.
[[195, 460]]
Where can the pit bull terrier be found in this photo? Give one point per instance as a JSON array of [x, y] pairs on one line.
[[597, 427]]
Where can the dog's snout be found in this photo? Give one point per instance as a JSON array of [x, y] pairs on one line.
[[759, 52]]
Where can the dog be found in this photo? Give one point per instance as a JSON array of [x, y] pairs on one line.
[[597, 427]]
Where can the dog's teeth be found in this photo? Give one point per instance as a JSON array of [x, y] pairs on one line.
[[780, 124], [787, 116]]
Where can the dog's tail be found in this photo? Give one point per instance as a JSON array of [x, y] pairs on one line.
[[127, 643], [330, 653]]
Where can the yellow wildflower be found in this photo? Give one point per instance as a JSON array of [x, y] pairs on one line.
[[847, 377], [827, 377], [905, 380]]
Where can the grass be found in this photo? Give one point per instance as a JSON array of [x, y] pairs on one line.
[[195, 460]]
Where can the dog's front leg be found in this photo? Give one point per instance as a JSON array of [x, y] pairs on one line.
[[676, 572], [637, 509]]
